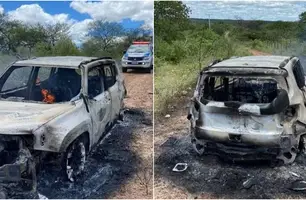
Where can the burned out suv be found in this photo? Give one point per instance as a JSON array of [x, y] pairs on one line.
[[250, 108], [63, 105]]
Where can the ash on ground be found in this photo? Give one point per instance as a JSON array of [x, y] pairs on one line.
[[208, 175], [111, 164]]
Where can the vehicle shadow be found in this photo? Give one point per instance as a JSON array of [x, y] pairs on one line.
[[111, 164], [210, 177], [138, 71]]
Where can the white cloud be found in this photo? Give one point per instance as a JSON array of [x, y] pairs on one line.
[[112, 11], [117, 10], [33, 14], [1, 9], [248, 10], [78, 31]]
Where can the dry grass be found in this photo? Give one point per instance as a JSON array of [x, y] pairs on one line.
[[171, 81]]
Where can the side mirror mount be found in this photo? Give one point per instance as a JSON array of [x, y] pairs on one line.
[[85, 98], [90, 97]]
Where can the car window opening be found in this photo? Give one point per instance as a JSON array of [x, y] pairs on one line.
[[241, 89], [49, 85], [95, 82]]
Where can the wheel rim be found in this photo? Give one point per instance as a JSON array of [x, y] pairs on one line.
[[75, 161]]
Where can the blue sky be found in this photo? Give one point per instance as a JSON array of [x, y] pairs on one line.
[[132, 14], [78, 14], [247, 10]]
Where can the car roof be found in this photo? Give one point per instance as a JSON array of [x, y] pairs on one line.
[[253, 61], [60, 61]]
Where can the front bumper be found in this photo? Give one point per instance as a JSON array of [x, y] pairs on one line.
[[138, 64], [17, 170]]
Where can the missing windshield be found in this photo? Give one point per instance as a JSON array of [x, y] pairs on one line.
[[44, 84], [241, 89]]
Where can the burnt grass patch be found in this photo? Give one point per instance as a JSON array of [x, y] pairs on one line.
[[109, 165], [209, 175]]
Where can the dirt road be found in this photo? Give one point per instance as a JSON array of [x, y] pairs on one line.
[[116, 167], [209, 176], [139, 90]]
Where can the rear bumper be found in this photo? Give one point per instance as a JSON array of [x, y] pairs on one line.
[[266, 140], [235, 152], [246, 146]]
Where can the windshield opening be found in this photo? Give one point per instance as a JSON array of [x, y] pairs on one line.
[[241, 89], [138, 49], [44, 84]]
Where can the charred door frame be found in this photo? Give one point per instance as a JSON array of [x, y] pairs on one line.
[[85, 71]]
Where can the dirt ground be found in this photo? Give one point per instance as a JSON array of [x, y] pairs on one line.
[[140, 95], [120, 167], [139, 90], [208, 176]]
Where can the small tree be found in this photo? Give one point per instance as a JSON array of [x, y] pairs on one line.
[[65, 47], [302, 26], [30, 36], [170, 18], [91, 47], [105, 33], [9, 35], [55, 32], [43, 49]]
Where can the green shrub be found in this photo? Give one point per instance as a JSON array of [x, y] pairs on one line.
[[170, 80], [257, 44], [177, 65]]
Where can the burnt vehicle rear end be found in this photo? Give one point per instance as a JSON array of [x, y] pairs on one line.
[[250, 108]]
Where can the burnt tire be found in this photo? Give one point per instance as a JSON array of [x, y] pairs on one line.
[[73, 160], [199, 149]]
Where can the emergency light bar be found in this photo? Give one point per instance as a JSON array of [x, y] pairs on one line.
[[140, 42]]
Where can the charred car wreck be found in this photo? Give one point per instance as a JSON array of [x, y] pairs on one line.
[[63, 105], [250, 108]]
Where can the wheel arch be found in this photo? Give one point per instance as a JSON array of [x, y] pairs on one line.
[[74, 135]]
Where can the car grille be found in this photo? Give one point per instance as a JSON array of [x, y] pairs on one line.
[[135, 58]]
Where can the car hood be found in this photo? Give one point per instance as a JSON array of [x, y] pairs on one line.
[[19, 118]]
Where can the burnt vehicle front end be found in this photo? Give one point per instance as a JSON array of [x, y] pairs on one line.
[[28, 131], [33, 125], [247, 113], [17, 167]]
